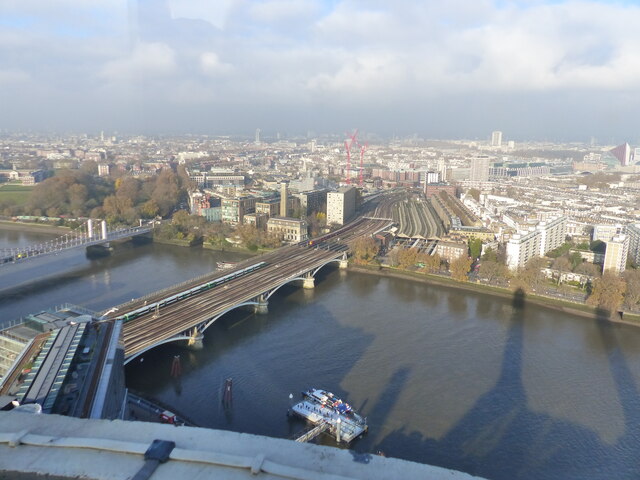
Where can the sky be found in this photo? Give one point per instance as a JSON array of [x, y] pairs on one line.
[[534, 69]]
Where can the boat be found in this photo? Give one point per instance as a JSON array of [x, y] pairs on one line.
[[226, 265], [329, 400], [329, 413]]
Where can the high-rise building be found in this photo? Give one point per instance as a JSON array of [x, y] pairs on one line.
[[605, 233], [284, 199], [496, 139], [341, 205], [521, 247], [552, 234], [480, 168], [623, 154], [258, 136], [634, 242], [615, 258]]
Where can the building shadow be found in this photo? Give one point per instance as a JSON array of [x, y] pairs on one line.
[[500, 437]]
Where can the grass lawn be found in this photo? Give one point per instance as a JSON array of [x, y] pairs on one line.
[[18, 193]]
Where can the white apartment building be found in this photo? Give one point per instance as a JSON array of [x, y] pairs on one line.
[[496, 139], [615, 258], [552, 234], [341, 205], [605, 233], [480, 168], [633, 231], [521, 247]]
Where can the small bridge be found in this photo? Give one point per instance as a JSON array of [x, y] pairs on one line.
[[86, 236]]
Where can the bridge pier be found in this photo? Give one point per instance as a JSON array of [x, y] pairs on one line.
[[196, 340], [344, 263], [262, 307], [309, 281]]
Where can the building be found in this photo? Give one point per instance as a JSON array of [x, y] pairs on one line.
[[552, 234], [615, 258], [480, 168], [270, 208], [633, 231], [217, 179], [521, 247], [496, 139], [341, 205], [104, 169], [313, 201], [259, 220], [605, 233], [26, 177], [65, 362], [623, 154], [234, 209], [284, 199], [431, 189], [292, 230], [451, 251]]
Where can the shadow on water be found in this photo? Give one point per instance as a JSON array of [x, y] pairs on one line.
[[262, 383], [499, 437]]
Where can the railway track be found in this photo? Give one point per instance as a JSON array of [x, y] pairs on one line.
[[280, 267]]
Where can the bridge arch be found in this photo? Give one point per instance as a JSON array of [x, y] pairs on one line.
[[210, 322], [168, 340], [335, 260]]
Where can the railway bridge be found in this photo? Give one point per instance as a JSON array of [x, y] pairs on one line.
[[184, 312]]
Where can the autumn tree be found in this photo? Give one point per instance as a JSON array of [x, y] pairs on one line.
[[608, 292], [632, 294], [460, 267], [365, 249], [530, 277], [431, 263], [407, 257], [166, 193], [492, 270]]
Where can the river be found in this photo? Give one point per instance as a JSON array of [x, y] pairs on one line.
[[445, 377]]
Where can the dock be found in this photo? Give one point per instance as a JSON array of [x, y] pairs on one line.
[[344, 427], [313, 433]]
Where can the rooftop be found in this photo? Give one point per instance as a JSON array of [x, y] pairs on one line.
[[65, 447]]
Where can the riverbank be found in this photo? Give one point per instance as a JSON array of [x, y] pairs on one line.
[[33, 227], [557, 304]]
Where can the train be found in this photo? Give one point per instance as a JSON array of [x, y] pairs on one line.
[[188, 293]]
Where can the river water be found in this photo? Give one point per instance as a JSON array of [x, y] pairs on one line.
[[445, 377]]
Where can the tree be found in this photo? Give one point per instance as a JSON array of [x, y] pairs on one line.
[[475, 248], [365, 249], [608, 292], [407, 257], [530, 276], [460, 268], [489, 255], [561, 264], [431, 263], [632, 294], [588, 269], [575, 259], [492, 270]]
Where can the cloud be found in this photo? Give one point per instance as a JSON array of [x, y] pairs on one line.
[[365, 57], [146, 61], [212, 66]]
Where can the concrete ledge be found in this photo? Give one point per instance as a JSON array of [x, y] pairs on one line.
[[101, 449]]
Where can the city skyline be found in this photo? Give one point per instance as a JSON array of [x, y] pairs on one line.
[[536, 70]]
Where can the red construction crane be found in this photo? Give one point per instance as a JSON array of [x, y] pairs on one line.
[[347, 145], [363, 148]]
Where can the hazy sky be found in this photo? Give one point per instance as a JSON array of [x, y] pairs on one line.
[[535, 69]]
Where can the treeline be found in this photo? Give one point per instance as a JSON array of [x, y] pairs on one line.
[[78, 193]]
